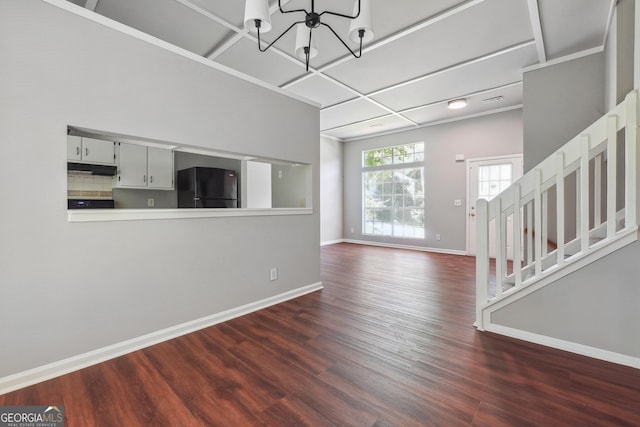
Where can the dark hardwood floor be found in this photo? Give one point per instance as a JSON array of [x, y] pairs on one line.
[[388, 342]]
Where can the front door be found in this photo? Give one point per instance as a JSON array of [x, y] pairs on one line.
[[486, 178]]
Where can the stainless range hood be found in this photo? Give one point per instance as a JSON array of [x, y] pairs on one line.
[[90, 169]]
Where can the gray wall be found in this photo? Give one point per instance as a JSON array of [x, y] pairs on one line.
[[596, 306], [620, 50], [68, 288], [330, 190], [559, 101], [445, 179], [625, 23]]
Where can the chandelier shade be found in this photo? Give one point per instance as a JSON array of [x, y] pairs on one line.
[[303, 36], [362, 22], [257, 11], [257, 19]]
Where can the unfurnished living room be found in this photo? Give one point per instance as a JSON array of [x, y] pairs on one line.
[[300, 212]]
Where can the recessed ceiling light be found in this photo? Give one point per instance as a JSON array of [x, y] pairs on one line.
[[492, 100], [377, 125], [457, 104]]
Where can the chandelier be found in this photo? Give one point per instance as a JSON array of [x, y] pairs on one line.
[[257, 19]]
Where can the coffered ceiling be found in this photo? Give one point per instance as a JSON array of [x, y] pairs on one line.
[[424, 53]]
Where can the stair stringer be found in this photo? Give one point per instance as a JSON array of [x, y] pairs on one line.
[[553, 276]]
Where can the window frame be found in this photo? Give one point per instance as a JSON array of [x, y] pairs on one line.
[[393, 167]]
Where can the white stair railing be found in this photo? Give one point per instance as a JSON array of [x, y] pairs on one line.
[[552, 227]]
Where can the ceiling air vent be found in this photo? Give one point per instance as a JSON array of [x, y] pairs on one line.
[[493, 100]]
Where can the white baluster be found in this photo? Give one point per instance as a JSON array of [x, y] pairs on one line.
[[500, 252], [584, 193], [560, 206], [517, 236], [529, 233], [612, 154], [597, 190], [537, 206], [545, 223]]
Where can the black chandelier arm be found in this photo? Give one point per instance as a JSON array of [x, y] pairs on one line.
[[341, 14], [279, 37], [291, 11], [345, 45]]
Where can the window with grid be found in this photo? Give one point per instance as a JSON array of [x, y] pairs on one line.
[[393, 191]]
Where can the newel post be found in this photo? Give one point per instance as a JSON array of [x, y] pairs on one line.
[[482, 259]]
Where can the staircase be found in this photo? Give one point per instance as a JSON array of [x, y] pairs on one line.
[[580, 204]]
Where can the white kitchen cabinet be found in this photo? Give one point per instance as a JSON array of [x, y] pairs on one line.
[[144, 167], [90, 150], [160, 168], [132, 165]]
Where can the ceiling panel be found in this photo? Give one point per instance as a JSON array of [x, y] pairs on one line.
[[270, 67], [475, 32], [350, 112], [167, 20], [321, 90], [511, 96], [570, 26], [490, 73], [230, 11], [383, 124], [390, 17]]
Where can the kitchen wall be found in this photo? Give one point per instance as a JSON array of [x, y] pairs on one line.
[[84, 186], [71, 288], [127, 198], [445, 179]]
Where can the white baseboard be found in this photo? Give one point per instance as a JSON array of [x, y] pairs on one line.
[[572, 347], [56, 369], [331, 242], [410, 247]]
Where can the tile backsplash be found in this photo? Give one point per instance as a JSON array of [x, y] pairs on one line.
[[83, 186]]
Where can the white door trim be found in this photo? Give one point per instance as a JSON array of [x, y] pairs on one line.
[[467, 167]]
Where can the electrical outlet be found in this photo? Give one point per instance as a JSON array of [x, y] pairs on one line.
[[151, 202], [273, 274], [457, 202], [437, 237], [352, 230]]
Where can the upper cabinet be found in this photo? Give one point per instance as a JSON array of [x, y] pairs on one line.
[[90, 150], [160, 168], [144, 167]]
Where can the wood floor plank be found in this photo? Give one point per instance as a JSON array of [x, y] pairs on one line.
[[388, 342]]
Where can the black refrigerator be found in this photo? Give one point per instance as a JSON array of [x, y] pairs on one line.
[[201, 187]]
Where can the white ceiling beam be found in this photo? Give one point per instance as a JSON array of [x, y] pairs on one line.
[[91, 5], [536, 27]]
